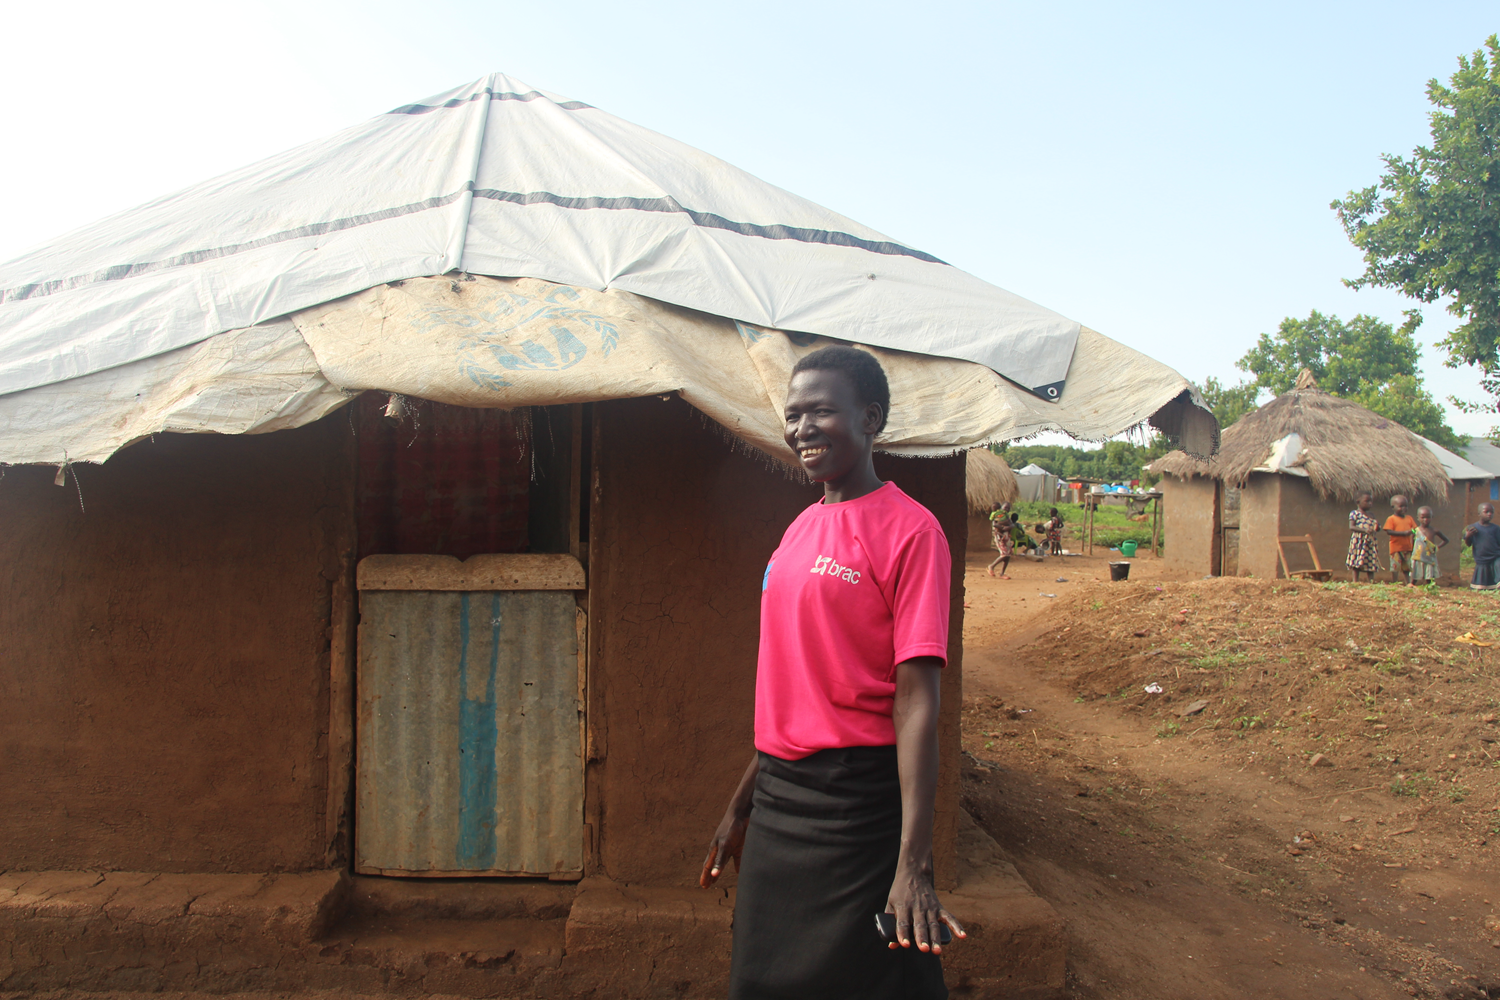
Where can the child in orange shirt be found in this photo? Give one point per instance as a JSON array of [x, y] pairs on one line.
[[1400, 526]]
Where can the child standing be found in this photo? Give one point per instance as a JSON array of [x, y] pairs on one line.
[[1001, 537], [1362, 529], [1054, 532], [1426, 541], [1485, 537], [1400, 526]]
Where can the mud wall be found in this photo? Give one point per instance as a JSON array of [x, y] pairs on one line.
[[1448, 516], [1472, 492], [979, 535], [1303, 512], [682, 527], [1260, 522], [1188, 526], [164, 670]]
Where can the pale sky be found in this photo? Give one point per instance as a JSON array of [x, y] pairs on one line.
[[1160, 174]]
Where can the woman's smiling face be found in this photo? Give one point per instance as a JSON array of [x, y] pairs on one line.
[[828, 427]]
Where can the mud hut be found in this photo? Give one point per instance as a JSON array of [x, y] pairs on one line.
[[415, 527], [989, 481], [1293, 468]]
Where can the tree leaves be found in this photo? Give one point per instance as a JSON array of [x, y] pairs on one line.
[[1365, 360], [1431, 227], [1229, 402]]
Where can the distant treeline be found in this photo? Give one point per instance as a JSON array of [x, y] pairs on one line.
[[1117, 461]]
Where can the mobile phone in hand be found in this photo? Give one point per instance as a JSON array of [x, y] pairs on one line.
[[885, 923]]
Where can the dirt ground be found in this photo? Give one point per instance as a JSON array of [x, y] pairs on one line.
[[1242, 788], [1192, 838]]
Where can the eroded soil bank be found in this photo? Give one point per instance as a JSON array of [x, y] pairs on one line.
[[1192, 837]]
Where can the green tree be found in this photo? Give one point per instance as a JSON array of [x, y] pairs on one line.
[[1229, 402], [1115, 461], [1431, 226], [1365, 360], [1342, 357]]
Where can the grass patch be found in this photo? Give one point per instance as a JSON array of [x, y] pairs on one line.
[[1219, 660], [1112, 525], [1412, 786]]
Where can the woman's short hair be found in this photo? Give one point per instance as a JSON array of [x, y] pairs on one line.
[[862, 370]]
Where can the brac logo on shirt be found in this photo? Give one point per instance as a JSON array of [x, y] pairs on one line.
[[827, 566]]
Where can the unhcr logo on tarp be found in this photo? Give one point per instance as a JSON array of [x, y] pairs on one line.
[[485, 357]]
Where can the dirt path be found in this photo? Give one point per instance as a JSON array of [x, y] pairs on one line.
[[1191, 868]]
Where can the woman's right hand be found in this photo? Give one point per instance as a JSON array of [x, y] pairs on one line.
[[728, 842], [729, 838]]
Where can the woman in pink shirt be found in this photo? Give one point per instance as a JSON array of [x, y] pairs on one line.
[[832, 821]]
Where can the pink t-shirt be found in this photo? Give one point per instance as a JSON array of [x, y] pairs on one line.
[[854, 589]]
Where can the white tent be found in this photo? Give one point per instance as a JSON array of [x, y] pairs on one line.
[[629, 264], [1036, 483]]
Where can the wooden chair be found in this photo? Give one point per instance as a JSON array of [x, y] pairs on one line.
[[1316, 573]]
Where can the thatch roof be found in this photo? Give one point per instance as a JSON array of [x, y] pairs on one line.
[[990, 480], [1342, 448]]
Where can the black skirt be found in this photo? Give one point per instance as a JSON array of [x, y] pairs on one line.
[[819, 859]]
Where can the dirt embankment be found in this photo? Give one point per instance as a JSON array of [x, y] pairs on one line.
[[1243, 788]]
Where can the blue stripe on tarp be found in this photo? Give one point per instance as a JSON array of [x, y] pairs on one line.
[[117, 272], [477, 736], [707, 220], [704, 219], [494, 95]]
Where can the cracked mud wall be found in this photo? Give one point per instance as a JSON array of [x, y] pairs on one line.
[[682, 527], [164, 671], [1189, 526]]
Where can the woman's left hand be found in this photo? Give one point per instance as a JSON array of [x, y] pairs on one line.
[[919, 915]]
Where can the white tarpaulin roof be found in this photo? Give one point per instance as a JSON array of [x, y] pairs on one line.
[[187, 313], [1483, 454], [1454, 466], [1032, 469]]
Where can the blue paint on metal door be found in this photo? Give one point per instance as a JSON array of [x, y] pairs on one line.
[[470, 750], [477, 735]]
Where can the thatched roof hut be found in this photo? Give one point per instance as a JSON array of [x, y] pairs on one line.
[[990, 481], [1341, 448]]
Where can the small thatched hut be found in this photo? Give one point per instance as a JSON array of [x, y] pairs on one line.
[[1294, 467], [989, 481]]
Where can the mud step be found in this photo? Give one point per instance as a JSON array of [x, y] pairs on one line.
[[471, 937], [420, 955], [372, 897], [84, 931]]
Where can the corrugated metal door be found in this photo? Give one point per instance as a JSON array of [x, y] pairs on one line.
[[469, 744]]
